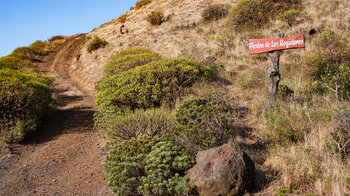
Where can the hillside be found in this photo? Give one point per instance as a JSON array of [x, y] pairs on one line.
[[300, 146], [171, 38]]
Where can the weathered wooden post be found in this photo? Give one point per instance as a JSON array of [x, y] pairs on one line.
[[274, 47], [274, 72]]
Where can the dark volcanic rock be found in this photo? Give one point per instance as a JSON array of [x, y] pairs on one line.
[[225, 170]]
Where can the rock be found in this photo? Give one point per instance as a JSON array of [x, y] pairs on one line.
[[225, 170]]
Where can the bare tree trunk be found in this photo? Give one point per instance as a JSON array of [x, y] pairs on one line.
[[274, 74]]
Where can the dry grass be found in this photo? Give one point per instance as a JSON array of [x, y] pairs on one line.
[[312, 166]]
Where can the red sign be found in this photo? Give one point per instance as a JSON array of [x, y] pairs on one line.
[[282, 43]]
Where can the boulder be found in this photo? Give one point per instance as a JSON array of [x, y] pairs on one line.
[[225, 170]]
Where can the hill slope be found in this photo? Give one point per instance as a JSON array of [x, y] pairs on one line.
[[65, 151]]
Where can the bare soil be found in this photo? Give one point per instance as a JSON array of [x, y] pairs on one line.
[[63, 157]]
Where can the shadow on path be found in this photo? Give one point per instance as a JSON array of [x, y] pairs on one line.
[[61, 121]]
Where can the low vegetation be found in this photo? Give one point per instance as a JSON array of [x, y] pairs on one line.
[[96, 43], [142, 3], [248, 14], [133, 124], [25, 95], [204, 122], [23, 57], [39, 48], [155, 18], [122, 18], [215, 12], [291, 17], [331, 64], [11, 62], [123, 62], [253, 14], [148, 166], [56, 37], [152, 84], [24, 98]]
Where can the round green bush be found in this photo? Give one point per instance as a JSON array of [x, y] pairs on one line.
[[204, 122], [152, 84], [148, 166], [96, 43], [254, 14], [24, 98], [155, 18], [120, 63], [248, 14]]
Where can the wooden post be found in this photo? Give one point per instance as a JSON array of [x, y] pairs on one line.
[[274, 47], [274, 73]]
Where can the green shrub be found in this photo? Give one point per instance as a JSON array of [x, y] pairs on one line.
[[248, 14], [142, 3], [22, 57], [152, 84], [56, 37], [24, 98], [331, 64], [130, 51], [215, 12], [10, 62], [148, 166], [122, 18], [120, 63], [155, 18], [132, 124], [204, 122], [124, 165], [253, 14], [163, 166], [96, 43], [24, 53], [38, 48]]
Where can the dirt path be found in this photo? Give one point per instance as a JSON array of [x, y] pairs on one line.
[[64, 157]]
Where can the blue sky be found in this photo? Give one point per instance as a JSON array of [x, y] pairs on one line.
[[23, 22]]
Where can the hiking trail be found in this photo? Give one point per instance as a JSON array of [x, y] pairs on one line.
[[64, 156]]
